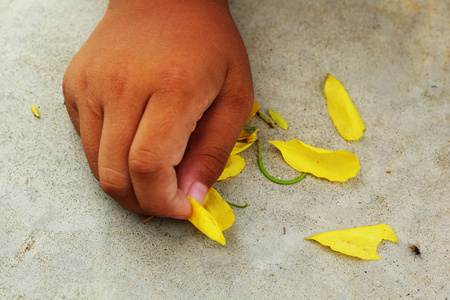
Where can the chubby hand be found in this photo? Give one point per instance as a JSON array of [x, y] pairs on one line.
[[158, 95]]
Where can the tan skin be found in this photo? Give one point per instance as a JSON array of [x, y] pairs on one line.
[[158, 95]]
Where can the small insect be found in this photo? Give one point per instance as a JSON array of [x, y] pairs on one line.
[[415, 250]]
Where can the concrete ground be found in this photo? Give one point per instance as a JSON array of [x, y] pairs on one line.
[[62, 237]]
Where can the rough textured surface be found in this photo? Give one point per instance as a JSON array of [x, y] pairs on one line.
[[61, 236]]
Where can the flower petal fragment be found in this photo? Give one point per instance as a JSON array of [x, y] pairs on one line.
[[342, 111], [278, 119], [333, 165], [234, 166], [219, 209], [255, 108], [360, 242], [205, 222], [241, 145], [35, 111], [248, 137]]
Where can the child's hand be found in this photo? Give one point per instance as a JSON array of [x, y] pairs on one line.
[[159, 94]]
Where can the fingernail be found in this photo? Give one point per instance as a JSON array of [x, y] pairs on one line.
[[198, 191], [180, 217]]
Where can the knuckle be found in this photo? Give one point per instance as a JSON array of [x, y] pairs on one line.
[[177, 77], [68, 84], [76, 77], [114, 183], [78, 83], [117, 81], [144, 162]]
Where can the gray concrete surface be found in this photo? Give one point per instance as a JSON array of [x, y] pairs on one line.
[[62, 237]]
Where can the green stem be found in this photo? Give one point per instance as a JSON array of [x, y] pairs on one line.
[[249, 128], [266, 119], [263, 170], [238, 206]]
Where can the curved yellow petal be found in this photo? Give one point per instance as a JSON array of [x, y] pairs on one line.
[[333, 165], [342, 111], [255, 108], [239, 147], [249, 138], [360, 242], [219, 209], [213, 217], [234, 166], [278, 119], [205, 222]]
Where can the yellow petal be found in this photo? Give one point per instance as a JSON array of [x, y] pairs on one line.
[[248, 137], [333, 165], [219, 209], [361, 242], [255, 108], [241, 145], [35, 111], [213, 217], [234, 166], [205, 222], [342, 111], [278, 119]]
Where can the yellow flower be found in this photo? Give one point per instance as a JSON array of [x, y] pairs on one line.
[[278, 119], [360, 242], [333, 165], [342, 111], [213, 217]]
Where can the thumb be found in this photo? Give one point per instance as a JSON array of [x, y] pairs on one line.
[[211, 143]]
